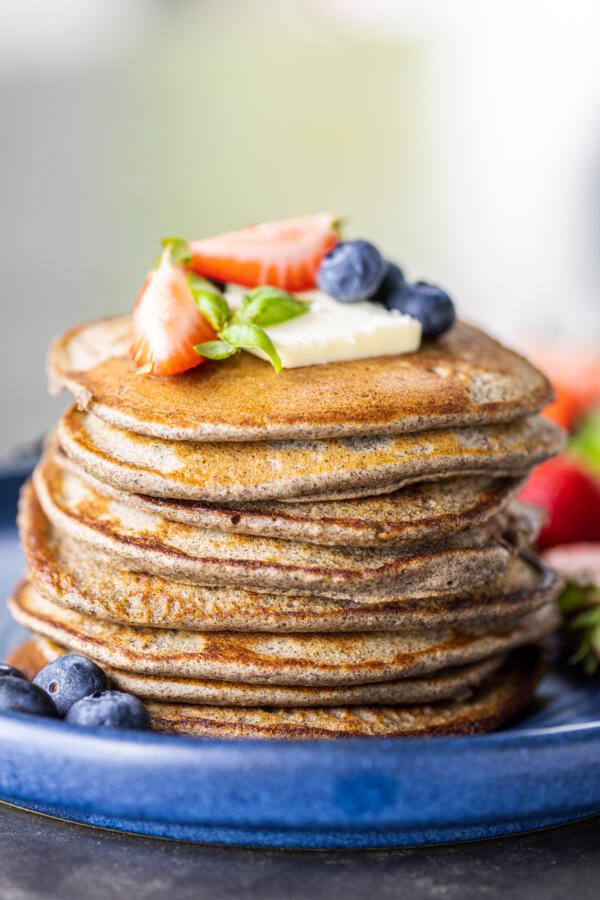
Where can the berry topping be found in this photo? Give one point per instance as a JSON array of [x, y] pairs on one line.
[[426, 302], [19, 695], [110, 709], [283, 254], [70, 678], [570, 498], [352, 270], [5, 669], [393, 278], [167, 323]]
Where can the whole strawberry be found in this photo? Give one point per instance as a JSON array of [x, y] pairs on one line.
[[571, 499]]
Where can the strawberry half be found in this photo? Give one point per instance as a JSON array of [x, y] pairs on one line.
[[283, 254], [167, 322]]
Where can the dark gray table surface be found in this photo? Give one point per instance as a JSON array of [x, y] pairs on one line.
[[45, 858]]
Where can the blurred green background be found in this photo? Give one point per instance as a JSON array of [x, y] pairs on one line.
[[463, 138]]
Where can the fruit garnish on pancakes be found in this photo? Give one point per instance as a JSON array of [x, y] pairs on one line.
[[167, 323]]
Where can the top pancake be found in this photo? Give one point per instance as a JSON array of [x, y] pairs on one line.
[[463, 378]]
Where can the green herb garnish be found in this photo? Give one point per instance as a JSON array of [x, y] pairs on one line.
[[243, 328], [269, 306], [178, 249], [210, 301], [247, 336], [580, 607]]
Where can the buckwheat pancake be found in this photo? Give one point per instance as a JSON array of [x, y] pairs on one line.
[[463, 378], [74, 575], [290, 659], [504, 693], [502, 696], [266, 470], [422, 511], [149, 543], [457, 682]]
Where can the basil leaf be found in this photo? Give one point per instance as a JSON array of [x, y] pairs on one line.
[[589, 618], [248, 336], [572, 599], [215, 350], [210, 301], [268, 305], [179, 249]]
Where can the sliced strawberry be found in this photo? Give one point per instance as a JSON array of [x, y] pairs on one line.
[[284, 254], [570, 498], [167, 323]]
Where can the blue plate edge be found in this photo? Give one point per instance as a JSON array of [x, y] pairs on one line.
[[348, 787]]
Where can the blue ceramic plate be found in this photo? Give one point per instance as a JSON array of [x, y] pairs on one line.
[[542, 771]]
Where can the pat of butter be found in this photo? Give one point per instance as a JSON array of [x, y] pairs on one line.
[[332, 332]]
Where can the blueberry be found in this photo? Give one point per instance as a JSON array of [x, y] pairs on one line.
[[393, 278], [19, 695], [5, 669], [353, 270], [426, 302], [69, 678], [110, 709]]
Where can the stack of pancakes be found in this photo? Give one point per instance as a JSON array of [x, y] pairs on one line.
[[332, 551]]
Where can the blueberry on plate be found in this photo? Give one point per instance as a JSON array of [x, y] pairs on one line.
[[426, 302], [109, 709], [69, 678], [352, 270], [5, 669], [19, 695]]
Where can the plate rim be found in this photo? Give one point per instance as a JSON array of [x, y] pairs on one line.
[[355, 785]]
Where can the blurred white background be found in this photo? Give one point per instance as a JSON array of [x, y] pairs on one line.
[[461, 136]]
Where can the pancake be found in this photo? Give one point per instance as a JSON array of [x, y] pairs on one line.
[[454, 683], [418, 512], [501, 697], [28, 657], [267, 470], [463, 378], [148, 543], [294, 659], [72, 574]]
